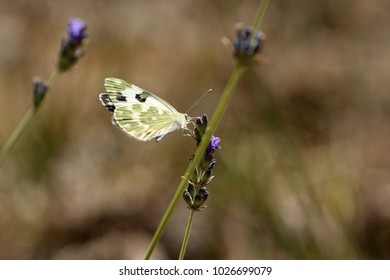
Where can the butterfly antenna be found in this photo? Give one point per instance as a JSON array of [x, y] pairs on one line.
[[204, 94]]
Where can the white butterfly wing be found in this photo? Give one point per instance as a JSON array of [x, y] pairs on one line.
[[139, 113]]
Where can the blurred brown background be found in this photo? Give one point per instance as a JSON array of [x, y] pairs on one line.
[[303, 172]]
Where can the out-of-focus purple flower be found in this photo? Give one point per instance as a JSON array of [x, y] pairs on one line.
[[71, 49], [76, 30], [245, 46]]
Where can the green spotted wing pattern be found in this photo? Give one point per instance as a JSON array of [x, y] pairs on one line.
[[140, 113]]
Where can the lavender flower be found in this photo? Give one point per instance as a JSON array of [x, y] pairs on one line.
[[213, 146], [76, 30], [196, 193], [244, 46], [71, 50]]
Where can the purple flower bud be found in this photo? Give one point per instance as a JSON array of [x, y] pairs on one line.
[[39, 91], [213, 146], [71, 48], [214, 143], [244, 47], [76, 30]]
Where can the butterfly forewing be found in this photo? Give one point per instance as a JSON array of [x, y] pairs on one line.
[[139, 113]]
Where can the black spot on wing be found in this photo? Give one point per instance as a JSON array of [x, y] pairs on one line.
[[107, 102], [141, 97], [121, 98], [110, 108]]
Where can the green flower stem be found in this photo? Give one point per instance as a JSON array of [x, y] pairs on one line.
[[53, 77], [223, 104], [23, 124], [215, 120], [16, 133], [260, 15], [186, 235]]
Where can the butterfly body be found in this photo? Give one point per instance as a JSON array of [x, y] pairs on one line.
[[140, 113]]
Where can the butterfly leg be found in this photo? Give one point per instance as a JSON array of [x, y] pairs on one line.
[[189, 132]]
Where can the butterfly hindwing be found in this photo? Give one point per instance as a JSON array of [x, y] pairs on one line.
[[139, 113], [143, 122]]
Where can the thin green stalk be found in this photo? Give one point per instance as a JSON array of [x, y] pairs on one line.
[[16, 133], [187, 235], [23, 124], [53, 77], [260, 15], [215, 120], [228, 92]]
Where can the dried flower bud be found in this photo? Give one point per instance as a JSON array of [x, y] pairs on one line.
[[39, 91], [209, 170], [200, 199], [201, 126]]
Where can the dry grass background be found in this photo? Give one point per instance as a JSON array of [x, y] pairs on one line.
[[303, 172]]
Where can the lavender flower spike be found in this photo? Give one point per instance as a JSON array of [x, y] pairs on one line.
[[196, 193], [71, 48]]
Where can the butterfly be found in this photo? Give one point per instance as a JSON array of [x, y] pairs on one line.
[[139, 113]]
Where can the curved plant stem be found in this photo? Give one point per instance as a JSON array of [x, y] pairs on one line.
[[23, 124], [187, 235], [215, 120]]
